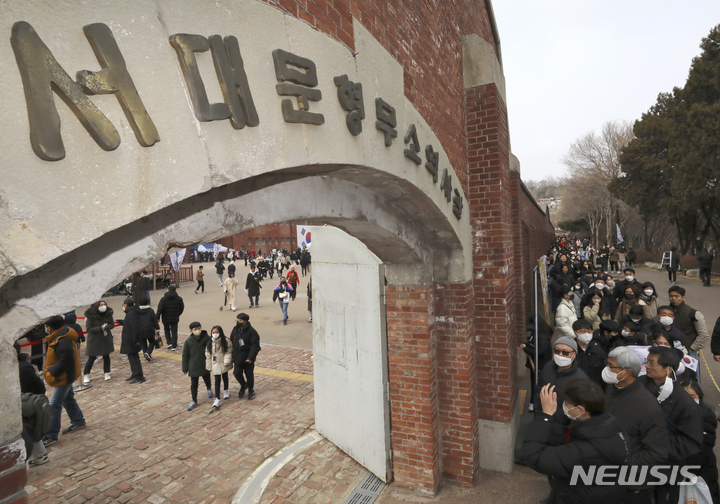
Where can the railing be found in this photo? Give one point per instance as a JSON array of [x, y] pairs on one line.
[[186, 274]]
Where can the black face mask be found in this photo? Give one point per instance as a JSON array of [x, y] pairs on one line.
[[629, 295], [572, 296]]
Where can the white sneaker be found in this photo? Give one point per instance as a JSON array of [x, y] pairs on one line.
[[226, 394], [86, 379], [108, 377], [216, 403]]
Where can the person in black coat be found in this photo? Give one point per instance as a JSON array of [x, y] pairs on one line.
[[130, 340], [636, 316], [590, 354], [558, 372], [706, 458], [148, 327], [596, 438], [705, 259], [246, 345], [544, 350], [170, 307], [683, 418], [673, 265], [621, 285], [220, 269], [30, 383]]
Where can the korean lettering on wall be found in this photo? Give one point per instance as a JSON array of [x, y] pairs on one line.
[[297, 78]]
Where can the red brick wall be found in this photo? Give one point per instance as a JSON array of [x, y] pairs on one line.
[[413, 387], [457, 381], [424, 36], [13, 477], [285, 231]]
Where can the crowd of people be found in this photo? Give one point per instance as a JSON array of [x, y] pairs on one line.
[[56, 350], [618, 380]]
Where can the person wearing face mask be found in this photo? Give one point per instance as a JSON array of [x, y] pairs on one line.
[[606, 335], [99, 323], [283, 293], [565, 314], [594, 439], [636, 315], [622, 284], [218, 360], [558, 372], [666, 317], [639, 413], [632, 298], [706, 458], [683, 417], [649, 296], [627, 333], [246, 345], [579, 291], [590, 354], [130, 343], [193, 362]]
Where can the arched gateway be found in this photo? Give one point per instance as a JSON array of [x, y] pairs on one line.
[[183, 121]]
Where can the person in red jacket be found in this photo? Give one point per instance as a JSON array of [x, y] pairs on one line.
[[293, 279]]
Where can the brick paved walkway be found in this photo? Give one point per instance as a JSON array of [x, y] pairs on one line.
[[142, 445]]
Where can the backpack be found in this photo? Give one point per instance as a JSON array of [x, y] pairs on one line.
[[36, 414]]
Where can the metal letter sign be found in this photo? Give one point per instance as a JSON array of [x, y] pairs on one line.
[[298, 82], [239, 106]]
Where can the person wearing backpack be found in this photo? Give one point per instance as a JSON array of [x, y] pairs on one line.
[[62, 368], [35, 409], [293, 279]]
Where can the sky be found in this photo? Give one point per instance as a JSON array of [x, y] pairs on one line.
[[572, 65]]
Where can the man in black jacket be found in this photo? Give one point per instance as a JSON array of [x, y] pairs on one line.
[[246, 345], [620, 286], [682, 417], [705, 259], [170, 308], [130, 343], [638, 411]]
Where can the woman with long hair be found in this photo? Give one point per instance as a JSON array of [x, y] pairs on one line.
[[218, 360], [99, 323]]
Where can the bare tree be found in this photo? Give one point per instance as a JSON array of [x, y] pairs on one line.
[[595, 158]]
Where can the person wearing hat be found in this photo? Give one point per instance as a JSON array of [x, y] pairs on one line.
[[245, 347], [558, 372]]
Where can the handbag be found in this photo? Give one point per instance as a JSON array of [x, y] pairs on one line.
[[158, 341], [283, 295]]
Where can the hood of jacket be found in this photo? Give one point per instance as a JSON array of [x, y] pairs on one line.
[[142, 311], [170, 295], [63, 332], [70, 318]]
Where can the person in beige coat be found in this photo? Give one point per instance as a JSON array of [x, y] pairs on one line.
[[596, 312], [565, 314], [230, 286], [218, 360]]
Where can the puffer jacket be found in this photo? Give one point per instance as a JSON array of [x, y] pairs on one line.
[[170, 307], [552, 450], [193, 357], [564, 318], [62, 365], [99, 340], [222, 362]]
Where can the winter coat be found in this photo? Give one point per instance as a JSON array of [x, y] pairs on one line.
[[62, 364], [276, 293], [643, 420], [674, 264], [652, 304], [193, 356], [552, 375], [292, 277], [683, 419], [199, 276], [130, 339], [607, 302], [246, 343], [591, 313], [592, 361], [692, 323], [564, 318], [99, 340], [147, 322], [30, 382], [553, 450], [705, 260], [230, 285], [231, 269], [620, 286], [252, 284], [706, 458], [614, 256], [715, 340], [219, 268], [170, 307], [577, 299], [223, 359]]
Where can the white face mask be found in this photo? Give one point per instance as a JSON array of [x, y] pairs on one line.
[[609, 377], [626, 334], [567, 410], [697, 401], [196, 332], [629, 278], [636, 320], [215, 335], [562, 361], [584, 338], [667, 321], [102, 308], [648, 292]]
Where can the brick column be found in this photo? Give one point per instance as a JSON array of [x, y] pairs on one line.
[[413, 387], [457, 381]]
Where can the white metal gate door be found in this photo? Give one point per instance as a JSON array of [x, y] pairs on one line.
[[350, 349]]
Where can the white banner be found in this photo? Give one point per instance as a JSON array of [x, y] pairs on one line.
[[304, 237], [177, 258], [619, 235]]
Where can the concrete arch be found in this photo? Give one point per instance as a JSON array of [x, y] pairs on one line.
[[396, 221]]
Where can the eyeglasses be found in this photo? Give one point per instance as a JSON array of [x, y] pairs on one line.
[[564, 353], [652, 364]]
